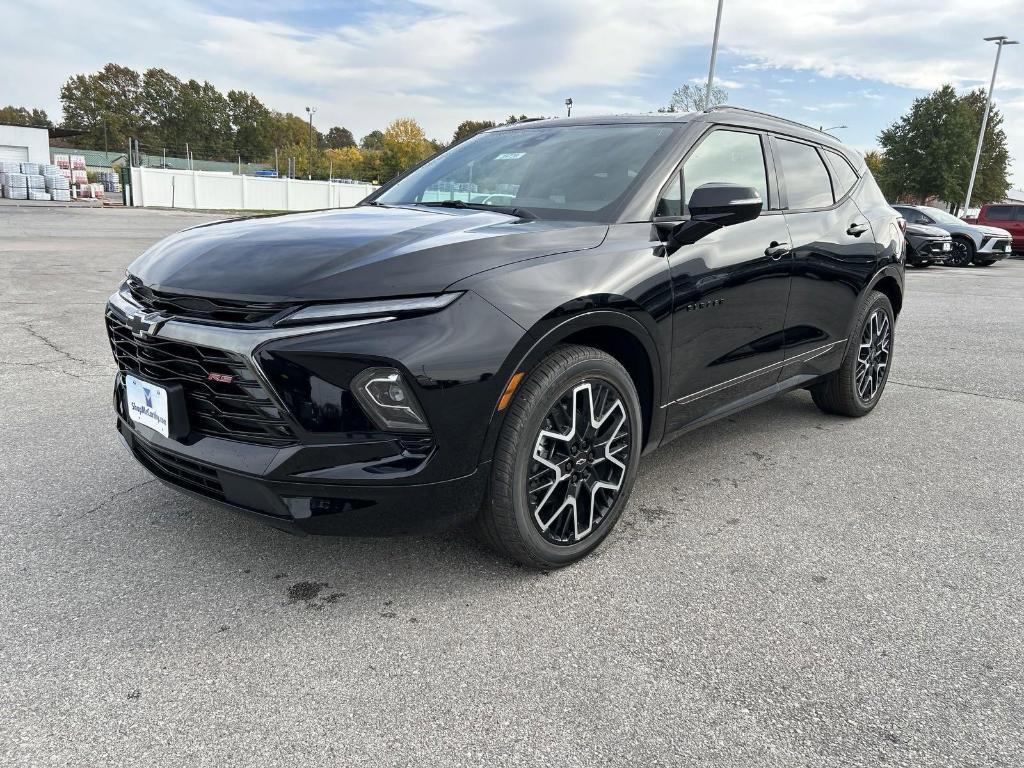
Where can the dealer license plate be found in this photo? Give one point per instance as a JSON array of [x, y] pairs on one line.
[[947, 246], [147, 404]]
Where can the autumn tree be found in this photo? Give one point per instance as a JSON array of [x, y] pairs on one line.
[[339, 138], [373, 140], [469, 128], [404, 144]]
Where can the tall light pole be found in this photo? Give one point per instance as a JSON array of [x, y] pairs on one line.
[[568, 107], [312, 111], [714, 55], [1000, 41]]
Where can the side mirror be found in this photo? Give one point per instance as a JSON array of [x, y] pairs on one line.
[[713, 206], [724, 204]]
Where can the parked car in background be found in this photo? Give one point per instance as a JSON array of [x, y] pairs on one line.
[[927, 245], [1008, 216], [428, 359], [977, 243]]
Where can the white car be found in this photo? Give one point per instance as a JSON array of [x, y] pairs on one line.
[[980, 243]]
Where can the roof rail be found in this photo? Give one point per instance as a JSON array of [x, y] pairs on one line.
[[726, 107]]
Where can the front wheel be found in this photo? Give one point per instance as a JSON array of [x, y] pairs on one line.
[[565, 460], [962, 253], [857, 386]]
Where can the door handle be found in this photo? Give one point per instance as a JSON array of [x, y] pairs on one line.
[[776, 250], [856, 229]]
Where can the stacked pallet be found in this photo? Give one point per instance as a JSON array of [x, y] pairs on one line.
[[110, 180], [14, 182]]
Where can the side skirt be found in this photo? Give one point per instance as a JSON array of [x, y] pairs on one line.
[[799, 381]]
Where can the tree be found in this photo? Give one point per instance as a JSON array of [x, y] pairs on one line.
[[108, 102], [373, 140], [250, 121], [345, 163], [693, 98], [512, 119], [35, 118], [993, 179], [874, 161], [339, 138], [929, 150], [469, 128], [404, 144]]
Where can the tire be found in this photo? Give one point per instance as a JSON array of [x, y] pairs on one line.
[[963, 252], [541, 528], [844, 393], [984, 262]]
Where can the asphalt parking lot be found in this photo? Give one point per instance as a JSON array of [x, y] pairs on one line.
[[785, 588]]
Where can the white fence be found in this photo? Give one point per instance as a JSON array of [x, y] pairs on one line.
[[165, 188]]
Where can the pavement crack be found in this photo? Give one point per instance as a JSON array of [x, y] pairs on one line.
[[45, 340], [116, 495], [958, 392]]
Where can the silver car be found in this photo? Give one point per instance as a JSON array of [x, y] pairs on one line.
[[980, 243]]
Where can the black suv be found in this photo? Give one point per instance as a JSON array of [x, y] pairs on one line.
[[497, 336]]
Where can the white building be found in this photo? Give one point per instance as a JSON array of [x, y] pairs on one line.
[[24, 145]]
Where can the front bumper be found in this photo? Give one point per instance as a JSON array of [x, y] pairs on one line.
[[295, 505], [352, 480], [932, 249], [995, 248]]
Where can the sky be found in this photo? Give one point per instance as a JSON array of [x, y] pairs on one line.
[[858, 63]]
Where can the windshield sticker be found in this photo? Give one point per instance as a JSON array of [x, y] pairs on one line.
[[510, 156]]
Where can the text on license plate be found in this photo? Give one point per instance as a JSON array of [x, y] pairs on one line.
[[147, 404]]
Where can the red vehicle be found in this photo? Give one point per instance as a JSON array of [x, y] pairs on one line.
[[1008, 216]]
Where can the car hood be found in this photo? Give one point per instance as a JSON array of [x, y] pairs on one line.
[[926, 231], [991, 231], [350, 253]]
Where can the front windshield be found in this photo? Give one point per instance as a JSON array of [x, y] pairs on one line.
[[940, 215], [568, 172]]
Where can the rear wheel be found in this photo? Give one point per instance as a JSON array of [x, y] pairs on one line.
[[857, 386], [962, 253], [565, 460]]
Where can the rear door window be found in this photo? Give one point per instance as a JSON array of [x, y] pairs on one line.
[[808, 184]]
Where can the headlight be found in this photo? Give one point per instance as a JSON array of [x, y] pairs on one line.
[[316, 313], [388, 400]]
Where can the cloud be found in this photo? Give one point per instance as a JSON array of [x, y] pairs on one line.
[[363, 64]]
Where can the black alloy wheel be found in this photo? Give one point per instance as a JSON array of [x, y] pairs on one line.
[[873, 355], [565, 459], [962, 253], [579, 462], [856, 388]]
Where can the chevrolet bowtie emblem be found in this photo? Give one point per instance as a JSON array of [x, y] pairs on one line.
[[147, 324]]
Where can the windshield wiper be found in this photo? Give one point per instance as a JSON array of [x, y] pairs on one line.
[[521, 213]]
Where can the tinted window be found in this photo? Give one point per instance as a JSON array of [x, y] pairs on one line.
[[913, 216], [671, 202], [580, 172], [727, 156], [843, 175], [807, 182], [999, 213]]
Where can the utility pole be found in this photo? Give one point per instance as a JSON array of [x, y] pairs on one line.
[[1000, 41], [277, 167], [312, 111], [714, 55]]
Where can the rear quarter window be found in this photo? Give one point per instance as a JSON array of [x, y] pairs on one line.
[[1000, 213]]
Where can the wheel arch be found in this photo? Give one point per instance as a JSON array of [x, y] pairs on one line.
[[618, 334]]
